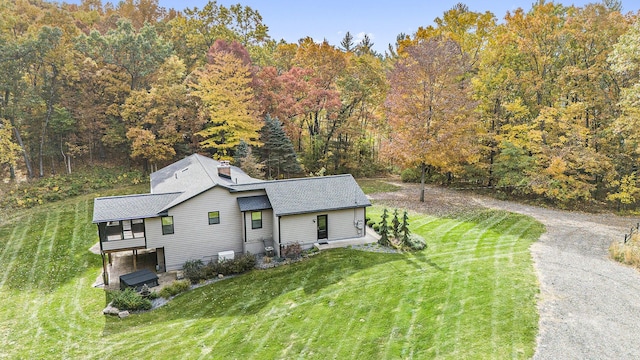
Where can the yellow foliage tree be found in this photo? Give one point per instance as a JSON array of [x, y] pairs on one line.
[[9, 150], [224, 88]]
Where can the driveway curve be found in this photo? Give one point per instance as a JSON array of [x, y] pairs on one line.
[[589, 305]]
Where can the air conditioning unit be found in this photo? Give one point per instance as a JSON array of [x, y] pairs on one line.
[[225, 255]]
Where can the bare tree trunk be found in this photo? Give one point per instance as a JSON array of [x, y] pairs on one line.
[[423, 168], [47, 118], [66, 158]]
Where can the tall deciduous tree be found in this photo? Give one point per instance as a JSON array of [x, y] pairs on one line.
[[162, 121], [430, 109], [224, 87], [138, 53], [195, 31]]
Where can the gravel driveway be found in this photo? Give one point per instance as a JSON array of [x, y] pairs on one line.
[[590, 305]]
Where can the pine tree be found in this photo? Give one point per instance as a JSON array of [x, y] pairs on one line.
[[395, 225], [277, 153], [384, 229], [241, 152], [404, 229], [347, 42]]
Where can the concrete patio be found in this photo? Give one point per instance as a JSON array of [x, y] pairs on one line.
[[370, 237]]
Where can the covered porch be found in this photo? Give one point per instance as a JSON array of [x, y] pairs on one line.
[[116, 264]]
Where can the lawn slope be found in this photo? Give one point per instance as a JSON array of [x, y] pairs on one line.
[[470, 294]]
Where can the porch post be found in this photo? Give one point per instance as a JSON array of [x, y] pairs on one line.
[[105, 275], [135, 257]]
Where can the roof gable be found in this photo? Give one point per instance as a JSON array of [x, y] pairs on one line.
[[194, 175]]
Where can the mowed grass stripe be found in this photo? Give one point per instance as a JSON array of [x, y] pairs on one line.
[[361, 313], [480, 303], [12, 250], [448, 310], [39, 275], [464, 295]]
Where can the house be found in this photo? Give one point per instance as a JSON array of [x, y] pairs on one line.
[[200, 208]]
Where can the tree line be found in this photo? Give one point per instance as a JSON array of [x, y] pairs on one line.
[[542, 103]]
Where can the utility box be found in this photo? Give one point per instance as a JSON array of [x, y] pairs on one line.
[[226, 255], [268, 250]]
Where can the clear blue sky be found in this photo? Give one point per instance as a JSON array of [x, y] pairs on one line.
[[382, 20]]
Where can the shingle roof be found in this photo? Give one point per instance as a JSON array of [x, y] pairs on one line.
[[304, 195], [127, 207], [192, 176], [170, 186], [195, 174], [252, 203]]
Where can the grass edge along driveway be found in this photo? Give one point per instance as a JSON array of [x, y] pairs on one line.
[[470, 294]]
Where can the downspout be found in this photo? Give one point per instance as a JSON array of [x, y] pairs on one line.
[[279, 237], [144, 231], [244, 226], [364, 228]]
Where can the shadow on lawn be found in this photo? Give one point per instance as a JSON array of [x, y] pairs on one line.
[[421, 257], [251, 292]]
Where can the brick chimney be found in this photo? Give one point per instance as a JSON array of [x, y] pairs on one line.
[[224, 169]]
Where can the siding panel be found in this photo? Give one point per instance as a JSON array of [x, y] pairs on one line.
[[303, 228], [193, 237]]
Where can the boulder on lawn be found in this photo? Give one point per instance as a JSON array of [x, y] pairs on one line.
[[110, 310], [123, 314]]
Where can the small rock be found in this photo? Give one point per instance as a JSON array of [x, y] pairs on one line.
[[123, 314], [220, 276], [361, 320], [110, 310]]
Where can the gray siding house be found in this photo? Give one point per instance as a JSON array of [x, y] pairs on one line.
[[199, 208]]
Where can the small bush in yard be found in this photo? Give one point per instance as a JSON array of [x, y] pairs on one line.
[[245, 263], [410, 175], [175, 288], [129, 299], [417, 242], [241, 264], [194, 271], [292, 251]]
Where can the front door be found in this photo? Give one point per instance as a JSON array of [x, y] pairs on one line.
[[322, 227]]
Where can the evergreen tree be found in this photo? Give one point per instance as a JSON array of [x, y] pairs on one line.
[[384, 229], [404, 229], [347, 42], [277, 153], [365, 46], [241, 152], [395, 224]]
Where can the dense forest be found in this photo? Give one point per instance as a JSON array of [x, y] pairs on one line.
[[542, 102]]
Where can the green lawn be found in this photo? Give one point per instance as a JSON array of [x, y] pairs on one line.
[[470, 294], [370, 186]]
